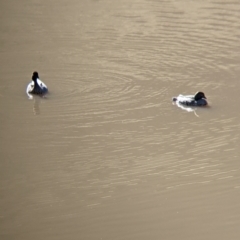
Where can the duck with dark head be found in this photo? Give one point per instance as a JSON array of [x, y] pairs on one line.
[[36, 86], [199, 99]]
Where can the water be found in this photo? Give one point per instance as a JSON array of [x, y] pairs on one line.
[[106, 155]]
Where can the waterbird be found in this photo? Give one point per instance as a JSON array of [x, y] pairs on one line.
[[36, 86], [199, 99]]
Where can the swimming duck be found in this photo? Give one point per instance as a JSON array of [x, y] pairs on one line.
[[199, 99], [36, 86]]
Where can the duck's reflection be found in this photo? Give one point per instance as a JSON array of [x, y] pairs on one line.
[[36, 105], [37, 99]]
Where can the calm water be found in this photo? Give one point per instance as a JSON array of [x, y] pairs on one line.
[[106, 155]]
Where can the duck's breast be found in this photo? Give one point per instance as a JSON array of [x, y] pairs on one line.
[[202, 102]]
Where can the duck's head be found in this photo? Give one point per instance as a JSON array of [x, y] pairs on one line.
[[35, 76], [199, 95]]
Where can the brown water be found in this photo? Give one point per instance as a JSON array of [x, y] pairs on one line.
[[106, 155]]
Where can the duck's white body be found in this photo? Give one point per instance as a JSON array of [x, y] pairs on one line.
[[198, 99], [36, 86]]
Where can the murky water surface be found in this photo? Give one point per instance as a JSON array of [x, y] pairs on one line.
[[106, 155]]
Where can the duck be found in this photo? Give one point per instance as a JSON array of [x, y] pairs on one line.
[[199, 99], [36, 86]]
